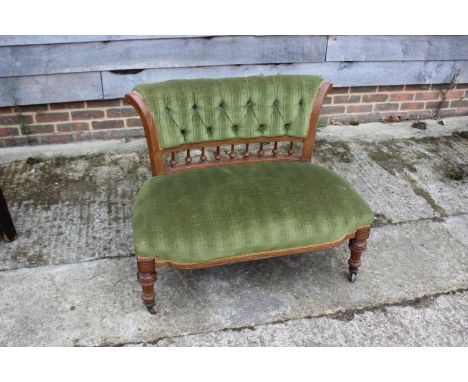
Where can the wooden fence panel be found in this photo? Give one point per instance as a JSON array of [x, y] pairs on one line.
[[10, 40], [159, 53], [340, 74], [397, 48]]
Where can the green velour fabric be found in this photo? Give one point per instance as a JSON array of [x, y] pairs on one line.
[[193, 111], [216, 213]]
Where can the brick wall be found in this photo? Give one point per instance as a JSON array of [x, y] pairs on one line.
[[113, 119]]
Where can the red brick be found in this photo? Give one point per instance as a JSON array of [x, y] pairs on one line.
[[332, 110], [72, 126], [108, 124], [328, 100], [346, 99], [421, 114], [58, 138], [9, 120], [461, 112], [427, 96], [8, 131], [87, 114], [359, 109], [5, 110], [391, 88], [457, 104], [412, 105], [447, 113], [339, 91], [33, 108], [121, 112], [436, 104], [52, 117], [40, 129], [363, 89], [378, 97], [462, 86], [16, 141], [439, 87], [401, 96], [134, 122], [386, 106], [110, 134], [67, 105], [455, 94], [361, 118], [104, 103], [417, 87]]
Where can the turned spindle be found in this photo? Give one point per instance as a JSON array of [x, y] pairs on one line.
[[173, 161], [218, 155], [275, 150], [260, 151], [291, 148], [232, 154], [188, 158], [203, 155], [246, 151]]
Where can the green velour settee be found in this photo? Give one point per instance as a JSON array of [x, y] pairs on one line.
[[232, 179]]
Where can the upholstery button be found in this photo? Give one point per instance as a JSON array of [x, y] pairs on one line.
[[261, 127], [287, 125], [183, 131], [235, 127], [168, 109], [221, 104], [276, 103], [301, 102], [249, 103], [195, 106]]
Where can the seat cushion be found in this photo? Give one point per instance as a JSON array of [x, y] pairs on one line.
[[222, 212]]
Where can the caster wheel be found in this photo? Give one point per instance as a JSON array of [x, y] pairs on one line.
[[151, 308], [352, 276]]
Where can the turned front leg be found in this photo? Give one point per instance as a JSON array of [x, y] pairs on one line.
[[146, 278], [357, 245]]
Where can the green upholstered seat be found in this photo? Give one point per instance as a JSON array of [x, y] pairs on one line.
[[222, 212]]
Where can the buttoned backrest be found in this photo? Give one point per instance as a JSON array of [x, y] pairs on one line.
[[203, 110]]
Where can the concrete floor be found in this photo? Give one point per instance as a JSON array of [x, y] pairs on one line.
[[70, 278]]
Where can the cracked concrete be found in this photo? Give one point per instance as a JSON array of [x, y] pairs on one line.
[[442, 323], [70, 277]]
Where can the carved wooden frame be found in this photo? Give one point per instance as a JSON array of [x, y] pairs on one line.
[[147, 266]]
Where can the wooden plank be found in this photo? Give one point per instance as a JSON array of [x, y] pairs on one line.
[[397, 48], [50, 88], [10, 40], [340, 74], [159, 53]]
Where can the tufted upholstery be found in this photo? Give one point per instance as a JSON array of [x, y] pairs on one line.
[[223, 212], [193, 111]]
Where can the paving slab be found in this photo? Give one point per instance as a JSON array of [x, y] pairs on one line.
[[432, 321], [97, 302]]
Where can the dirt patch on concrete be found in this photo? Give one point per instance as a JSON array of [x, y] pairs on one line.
[[53, 181], [394, 158], [329, 152]]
